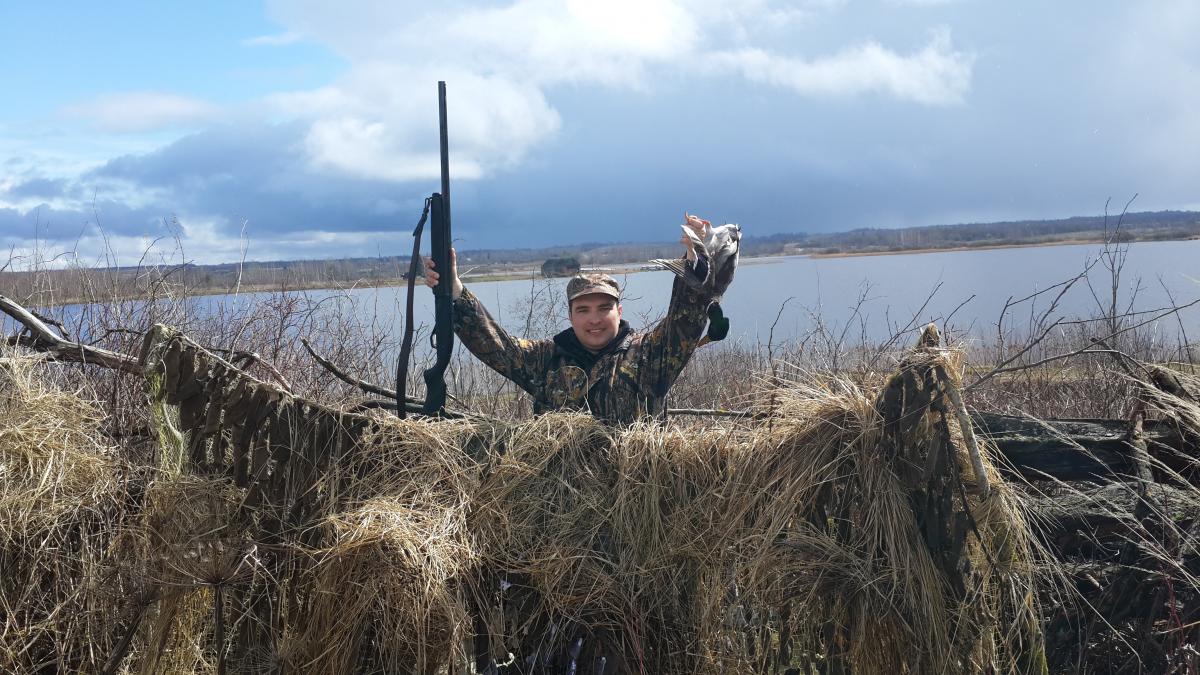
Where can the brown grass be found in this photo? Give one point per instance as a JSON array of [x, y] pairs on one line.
[[707, 546], [659, 549]]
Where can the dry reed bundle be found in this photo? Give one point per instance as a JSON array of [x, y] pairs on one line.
[[384, 581], [62, 507], [794, 543], [840, 536]]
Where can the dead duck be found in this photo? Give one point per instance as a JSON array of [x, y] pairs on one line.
[[716, 258], [716, 261]]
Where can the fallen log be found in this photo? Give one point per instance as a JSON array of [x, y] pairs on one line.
[[1063, 449], [1084, 521], [1092, 450], [41, 338]]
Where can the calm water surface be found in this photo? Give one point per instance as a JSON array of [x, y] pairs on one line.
[[875, 294], [892, 289]]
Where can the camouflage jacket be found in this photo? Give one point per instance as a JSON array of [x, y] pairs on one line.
[[626, 381]]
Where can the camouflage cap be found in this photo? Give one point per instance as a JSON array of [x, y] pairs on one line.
[[585, 284]]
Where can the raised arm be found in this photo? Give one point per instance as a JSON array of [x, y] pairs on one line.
[[665, 350], [522, 361]]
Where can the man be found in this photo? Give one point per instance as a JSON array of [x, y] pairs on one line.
[[598, 364]]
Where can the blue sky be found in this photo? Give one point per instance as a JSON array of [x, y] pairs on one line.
[[308, 129]]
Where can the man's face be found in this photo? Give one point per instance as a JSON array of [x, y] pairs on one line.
[[595, 317]]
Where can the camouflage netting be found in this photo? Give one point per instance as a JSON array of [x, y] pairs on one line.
[[844, 533]]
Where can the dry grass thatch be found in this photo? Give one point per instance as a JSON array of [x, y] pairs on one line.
[[844, 532], [62, 511]]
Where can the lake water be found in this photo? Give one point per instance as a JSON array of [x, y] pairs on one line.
[[892, 289], [876, 294]]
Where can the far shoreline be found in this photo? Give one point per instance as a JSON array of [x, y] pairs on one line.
[[982, 247], [533, 272]]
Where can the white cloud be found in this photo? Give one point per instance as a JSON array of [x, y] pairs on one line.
[[380, 122], [935, 75], [377, 121], [274, 40], [135, 112], [199, 240], [547, 41], [922, 3], [559, 31]]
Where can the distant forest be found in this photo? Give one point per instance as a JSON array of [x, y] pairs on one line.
[[1145, 226], [59, 286]]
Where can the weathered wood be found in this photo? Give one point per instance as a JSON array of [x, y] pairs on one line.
[[1094, 521], [1073, 449], [42, 338]]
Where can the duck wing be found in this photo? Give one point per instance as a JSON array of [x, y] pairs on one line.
[[698, 274], [694, 274], [676, 266]]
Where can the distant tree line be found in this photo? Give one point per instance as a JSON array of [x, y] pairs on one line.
[[84, 284], [1144, 226]]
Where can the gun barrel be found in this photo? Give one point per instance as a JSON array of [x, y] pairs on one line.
[[439, 243], [445, 154]]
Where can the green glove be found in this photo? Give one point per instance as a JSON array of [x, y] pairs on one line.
[[718, 325]]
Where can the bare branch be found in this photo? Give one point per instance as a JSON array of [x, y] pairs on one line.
[[350, 379], [44, 339], [912, 322], [771, 334], [946, 321], [1083, 350], [1042, 362], [712, 412]]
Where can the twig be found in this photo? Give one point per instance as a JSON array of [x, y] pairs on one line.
[[1187, 347], [1040, 323], [1083, 350], [350, 379], [771, 334], [113, 331], [1120, 358], [53, 322], [716, 412], [1035, 364], [912, 322], [417, 408], [946, 321]]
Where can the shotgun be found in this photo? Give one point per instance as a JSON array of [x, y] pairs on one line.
[[439, 244]]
